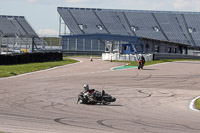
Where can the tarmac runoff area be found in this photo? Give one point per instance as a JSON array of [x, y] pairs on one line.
[[153, 100]]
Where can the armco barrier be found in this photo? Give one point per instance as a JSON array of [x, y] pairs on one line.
[[30, 58], [158, 56]]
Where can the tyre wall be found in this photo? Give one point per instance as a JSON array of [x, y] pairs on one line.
[[30, 58]]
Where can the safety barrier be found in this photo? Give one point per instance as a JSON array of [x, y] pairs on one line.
[[29, 58], [158, 56]]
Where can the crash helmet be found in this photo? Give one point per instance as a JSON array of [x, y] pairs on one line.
[[86, 87]]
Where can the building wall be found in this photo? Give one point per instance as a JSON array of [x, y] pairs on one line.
[[143, 46]]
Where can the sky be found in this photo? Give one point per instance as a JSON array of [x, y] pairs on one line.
[[42, 15]]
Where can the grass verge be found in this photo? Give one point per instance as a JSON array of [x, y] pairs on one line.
[[13, 70], [197, 104], [82, 56], [135, 63]]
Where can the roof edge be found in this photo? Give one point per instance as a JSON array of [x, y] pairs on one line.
[[125, 10]]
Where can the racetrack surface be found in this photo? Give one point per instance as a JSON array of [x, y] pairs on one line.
[[153, 100]]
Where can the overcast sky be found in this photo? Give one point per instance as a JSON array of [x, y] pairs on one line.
[[43, 17]]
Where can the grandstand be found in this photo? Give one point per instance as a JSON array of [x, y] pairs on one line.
[[154, 31], [15, 34]]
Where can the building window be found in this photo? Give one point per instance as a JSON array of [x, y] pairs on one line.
[[175, 50], [147, 46], [132, 48], [81, 26], [156, 28], [169, 49], [100, 27], [134, 28], [126, 48], [156, 48]]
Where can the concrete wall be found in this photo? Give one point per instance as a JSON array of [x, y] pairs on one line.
[[125, 57], [148, 57]]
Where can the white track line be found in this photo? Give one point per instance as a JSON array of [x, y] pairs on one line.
[[192, 107], [80, 61]]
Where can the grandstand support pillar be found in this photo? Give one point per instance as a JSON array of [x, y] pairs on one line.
[[67, 43], [26, 43], [14, 41], [105, 45], [32, 45], [42, 42], [83, 44], [59, 41], [98, 45], [91, 45], [7, 45], [59, 25], [20, 43], [65, 29], [76, 44], [186, 49]]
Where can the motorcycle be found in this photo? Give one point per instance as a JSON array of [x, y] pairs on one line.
[[140, 64], [95, 97]]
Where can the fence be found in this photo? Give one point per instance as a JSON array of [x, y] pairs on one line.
[[10, 45]]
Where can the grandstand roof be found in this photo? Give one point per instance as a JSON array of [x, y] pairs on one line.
[[177, 27], [15, 26]]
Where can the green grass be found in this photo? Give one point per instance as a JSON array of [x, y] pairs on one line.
[[12, 70], [82, 56], [135, 63], [197, 104]]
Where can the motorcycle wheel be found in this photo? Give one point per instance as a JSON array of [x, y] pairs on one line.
[[105, 103]]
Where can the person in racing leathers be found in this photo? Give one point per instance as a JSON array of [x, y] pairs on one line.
[[87, 90], [88, 93], [142, 60]]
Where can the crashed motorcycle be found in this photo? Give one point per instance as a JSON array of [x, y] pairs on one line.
[[95, 97]]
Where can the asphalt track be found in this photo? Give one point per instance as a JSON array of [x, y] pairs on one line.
[[153, 100]]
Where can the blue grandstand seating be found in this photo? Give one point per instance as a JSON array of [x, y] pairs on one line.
[[183, 25], [26, 27], [112, 22], [15, 26], [193, 21], [170, 27], [6, 27], [125, 23], [178, 27], [89, 19], [145, 22]]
